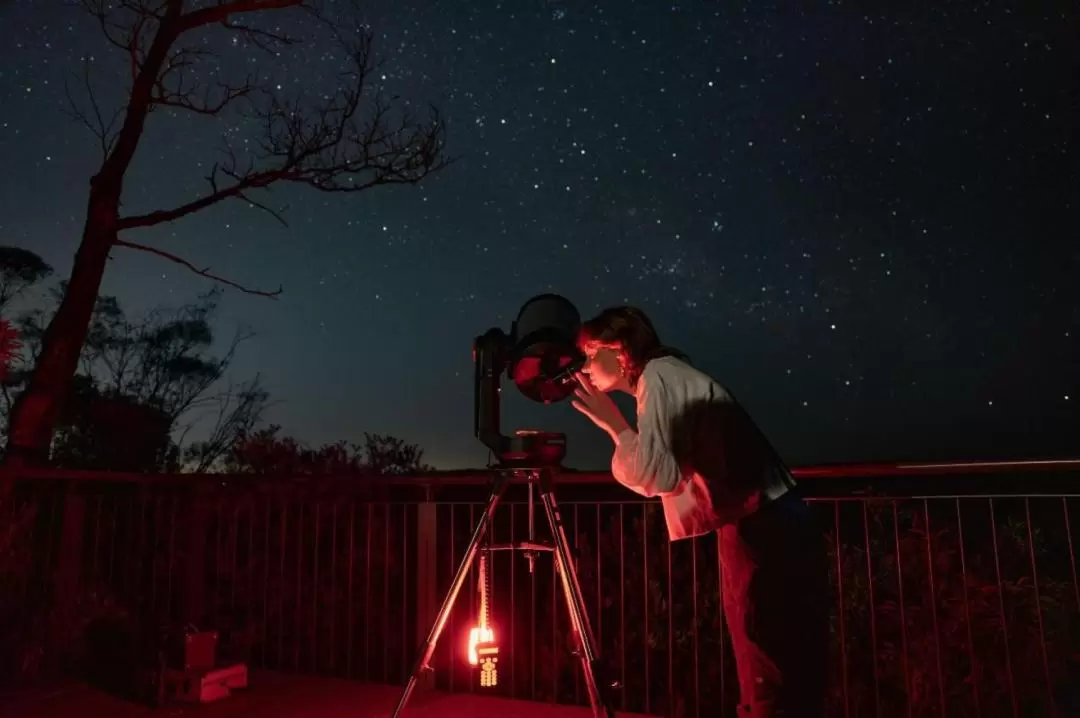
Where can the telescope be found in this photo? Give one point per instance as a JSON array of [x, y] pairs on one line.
[[540, 355]]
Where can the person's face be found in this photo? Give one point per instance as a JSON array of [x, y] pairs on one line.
[[602, 367]]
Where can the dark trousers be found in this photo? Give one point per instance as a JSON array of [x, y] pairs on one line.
[[776, 605]]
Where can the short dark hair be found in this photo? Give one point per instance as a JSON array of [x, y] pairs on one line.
[[630, 330]]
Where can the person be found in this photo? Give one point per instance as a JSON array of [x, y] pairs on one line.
[[698, 450]]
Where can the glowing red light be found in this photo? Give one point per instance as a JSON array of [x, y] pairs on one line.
[[479, 634]]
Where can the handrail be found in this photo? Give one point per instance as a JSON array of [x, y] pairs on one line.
[[475, 477]]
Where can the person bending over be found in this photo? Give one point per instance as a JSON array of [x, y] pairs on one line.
[[701, 453]]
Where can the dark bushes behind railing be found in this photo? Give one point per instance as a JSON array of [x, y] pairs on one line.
[[957, 592]]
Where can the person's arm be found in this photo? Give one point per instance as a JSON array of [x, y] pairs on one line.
[[644, 461]]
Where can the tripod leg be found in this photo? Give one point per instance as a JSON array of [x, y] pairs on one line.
[[448, 603], [599, 696]]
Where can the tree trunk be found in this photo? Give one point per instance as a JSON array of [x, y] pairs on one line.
[[36, 411], [34, 415]]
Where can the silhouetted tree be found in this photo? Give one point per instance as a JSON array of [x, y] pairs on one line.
[[349, 140], [139, 381], [9, 347], [19, 270], [389, 455], [238, 410], [267, 453]]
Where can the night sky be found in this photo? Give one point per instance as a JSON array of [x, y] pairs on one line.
[[860, 217]]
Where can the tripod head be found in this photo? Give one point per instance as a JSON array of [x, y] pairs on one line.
[[540, 355]]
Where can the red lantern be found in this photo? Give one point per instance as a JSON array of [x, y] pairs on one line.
[[483, 650]]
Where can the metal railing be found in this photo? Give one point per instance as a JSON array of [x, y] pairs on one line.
[[956, 584]]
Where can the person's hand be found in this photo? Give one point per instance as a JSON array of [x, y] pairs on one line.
[[598, 407]]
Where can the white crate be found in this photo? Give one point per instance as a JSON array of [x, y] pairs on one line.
[[206, 686]]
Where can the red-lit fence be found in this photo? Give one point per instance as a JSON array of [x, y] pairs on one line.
[[956, 585]]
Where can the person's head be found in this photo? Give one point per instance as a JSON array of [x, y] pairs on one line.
[[618, 343]]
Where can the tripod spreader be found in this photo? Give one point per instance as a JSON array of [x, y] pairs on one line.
[[599, 689]]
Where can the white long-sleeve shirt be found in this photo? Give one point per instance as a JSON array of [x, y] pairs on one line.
[[697, 449]]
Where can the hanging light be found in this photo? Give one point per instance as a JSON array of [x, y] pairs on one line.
[[483, 651]]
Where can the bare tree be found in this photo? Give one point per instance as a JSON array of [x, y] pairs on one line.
[[239, 409], [350, 140]]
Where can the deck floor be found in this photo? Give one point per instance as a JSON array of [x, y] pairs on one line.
[[274, 695]]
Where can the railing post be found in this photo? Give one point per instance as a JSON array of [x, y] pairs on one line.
[[426, 595], [194, 572], [69, 562]]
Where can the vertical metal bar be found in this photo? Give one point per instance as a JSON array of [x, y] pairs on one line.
[[299, 585], [967, 610], [622, 605], [148, 544], [670, 636], [513, 607], [172, 558], [903, 617], [249, 598], [645, 562], [577, 674], [693, 582], [933, 607], [281, 585], [349, 591], [386, 593], [453, 617], [1072, 552], [140, 577], [315, 592], [840, 606], [1001, 606], [532, 609], [154, 557], [33, 507], [219, 530], [473, 599], [599, 586], [266, 584], [872, 609], [405, 590], [723, 623], [131, 559], [1038, 608], [333, 587], [97, 533], [554, 630], [234, 579], [368, 620], [112, 541]]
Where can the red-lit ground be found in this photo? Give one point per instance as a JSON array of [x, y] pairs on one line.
[[273, 695]]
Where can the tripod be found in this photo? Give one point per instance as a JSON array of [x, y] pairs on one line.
[[542, 479]]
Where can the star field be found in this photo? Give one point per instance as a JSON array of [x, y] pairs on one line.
[[863, 223]]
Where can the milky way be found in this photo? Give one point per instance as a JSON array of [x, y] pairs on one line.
[[863, 224]]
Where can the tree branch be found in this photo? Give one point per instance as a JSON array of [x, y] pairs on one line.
[[104, 131], [201, 272], [347, 140], [263, 39], [222, 11], [255, 180]]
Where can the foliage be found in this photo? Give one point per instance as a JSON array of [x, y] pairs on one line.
[[112, 432], [10, 346], [967, 605], [19, 270], [265, 452], [140, 381]]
